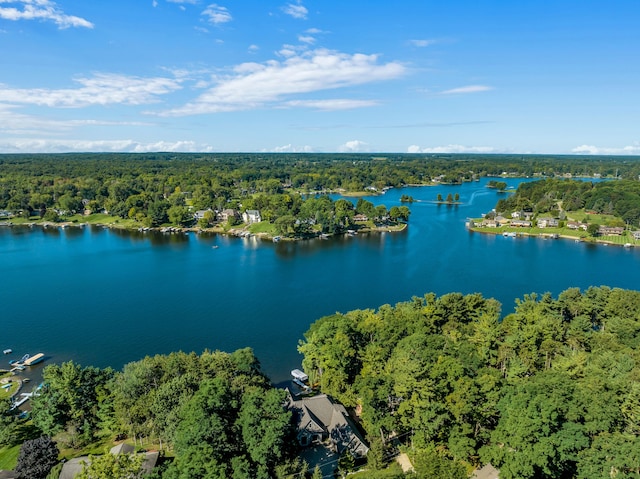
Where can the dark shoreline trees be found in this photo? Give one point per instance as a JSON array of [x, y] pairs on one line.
[[217, 411]]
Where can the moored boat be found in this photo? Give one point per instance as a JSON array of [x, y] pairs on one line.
[[299, 375], [19, 362]]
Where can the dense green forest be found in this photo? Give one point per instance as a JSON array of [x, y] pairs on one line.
[[618, 198], [215, 412], [163, 188], [549, 391]]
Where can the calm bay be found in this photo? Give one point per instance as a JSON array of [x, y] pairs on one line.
[[106, 297]]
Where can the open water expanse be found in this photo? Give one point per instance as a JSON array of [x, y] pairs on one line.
[[106, 297]]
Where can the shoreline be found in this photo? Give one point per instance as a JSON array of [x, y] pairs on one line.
[[552, 236], [238, 232]]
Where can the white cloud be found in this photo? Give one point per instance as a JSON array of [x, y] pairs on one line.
[[296, 10], [33, 145], [255, 85], [101, 89], [217, 14], [452, 149], [466, 89], [291, 50], [306, 39], [331, 105], [44, 10], [191, 2], [353, 146], [596, 150], [253, 48], [14, 123], [422, 43], [292, 149]]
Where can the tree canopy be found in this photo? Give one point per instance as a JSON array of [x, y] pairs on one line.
[[549, 391]]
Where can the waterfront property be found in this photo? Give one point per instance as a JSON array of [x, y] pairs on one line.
[[227, 214], [577, 225], [611, 230], [320, 420], [251, 217], [547, 222]]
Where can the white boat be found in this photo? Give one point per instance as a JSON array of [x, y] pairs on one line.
[[627, 245], [7, 351], [276, 239], [299, 375]]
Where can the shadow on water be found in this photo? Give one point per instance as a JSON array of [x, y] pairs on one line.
[[52, 231]]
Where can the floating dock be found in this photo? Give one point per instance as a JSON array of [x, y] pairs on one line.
[[34, 359]]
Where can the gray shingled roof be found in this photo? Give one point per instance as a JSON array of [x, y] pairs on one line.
[[320, 414]]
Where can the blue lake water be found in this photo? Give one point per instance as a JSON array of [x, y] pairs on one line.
[[107, 297]]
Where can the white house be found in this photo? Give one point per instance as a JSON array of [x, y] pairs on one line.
[[251, 216]]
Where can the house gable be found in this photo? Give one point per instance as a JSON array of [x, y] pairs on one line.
[[319, 418]]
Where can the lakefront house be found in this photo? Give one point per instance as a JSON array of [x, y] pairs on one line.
[[251, 216], [320, 420]]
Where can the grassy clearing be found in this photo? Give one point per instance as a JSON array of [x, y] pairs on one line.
[[565, 232], [9, 457], [262, 227], [582, 215], [103, 219], [7, 392]]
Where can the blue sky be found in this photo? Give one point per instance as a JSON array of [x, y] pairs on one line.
[[320, 76]]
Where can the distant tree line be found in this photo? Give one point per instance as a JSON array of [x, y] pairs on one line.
[[155, 188]]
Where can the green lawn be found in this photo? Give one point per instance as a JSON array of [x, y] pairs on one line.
[[9, 457], [262, 227], [579, 234], [583, 216]]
